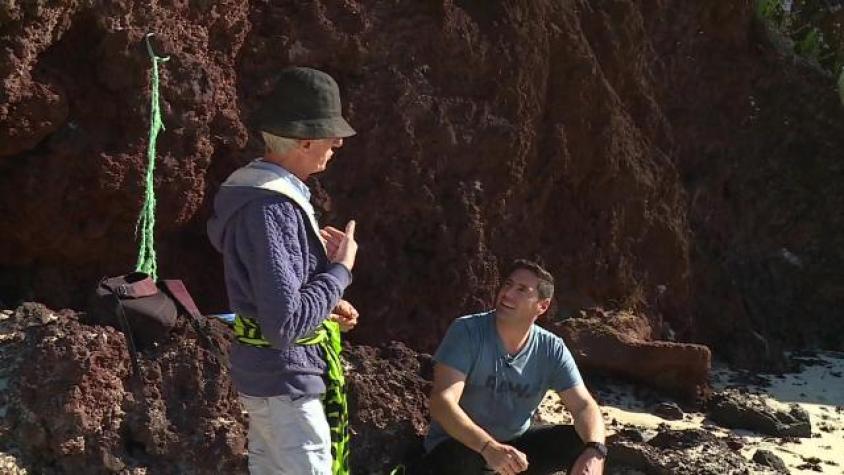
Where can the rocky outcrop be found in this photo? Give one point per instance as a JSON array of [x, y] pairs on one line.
[[69, 404], [738, 410], [74, 407], [691, 451], [619, 344], [388, 394]]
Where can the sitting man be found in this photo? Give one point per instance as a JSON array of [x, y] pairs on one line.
[[492, 371]]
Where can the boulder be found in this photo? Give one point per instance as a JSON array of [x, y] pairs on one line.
[[769, 459], [615, 342], [668, 410], [738, 410]]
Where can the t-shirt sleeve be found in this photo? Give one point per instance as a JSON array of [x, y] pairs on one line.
[[564, 372], [456, 349]]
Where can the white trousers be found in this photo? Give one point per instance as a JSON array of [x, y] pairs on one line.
[[287, 437]]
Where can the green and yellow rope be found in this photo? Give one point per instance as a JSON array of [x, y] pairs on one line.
[[145, 227]]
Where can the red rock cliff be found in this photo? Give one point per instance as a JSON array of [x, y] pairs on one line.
[[658, 156]]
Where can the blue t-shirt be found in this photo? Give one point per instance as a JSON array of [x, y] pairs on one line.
[[502, 392]]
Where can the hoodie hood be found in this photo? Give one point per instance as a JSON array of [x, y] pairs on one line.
[[256, 180]]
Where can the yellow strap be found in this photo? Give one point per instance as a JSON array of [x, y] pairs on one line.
[[318, 336], [248, 332]]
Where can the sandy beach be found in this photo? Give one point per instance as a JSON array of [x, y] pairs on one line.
[[818, 388]]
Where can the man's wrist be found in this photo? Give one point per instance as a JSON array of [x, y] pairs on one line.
[[485, 446], [342, 273], [597, 448]]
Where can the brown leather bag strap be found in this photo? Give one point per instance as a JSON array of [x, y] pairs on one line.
[[176, 288], [130, 342], [125, 287]]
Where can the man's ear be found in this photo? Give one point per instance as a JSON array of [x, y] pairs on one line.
[[543, 305]]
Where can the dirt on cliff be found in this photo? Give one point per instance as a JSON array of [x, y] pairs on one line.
[[658, 156]]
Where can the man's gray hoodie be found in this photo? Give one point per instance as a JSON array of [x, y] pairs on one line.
[[276, 272]]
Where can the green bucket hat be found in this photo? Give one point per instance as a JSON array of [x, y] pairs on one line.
[[305, 104]]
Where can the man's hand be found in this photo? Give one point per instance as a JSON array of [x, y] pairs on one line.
[[345, 315], [332, 237], [588, 463], [504, 459], [340, 246]]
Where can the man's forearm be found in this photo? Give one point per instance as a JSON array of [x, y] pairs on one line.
[[589, 423], [458, 424]]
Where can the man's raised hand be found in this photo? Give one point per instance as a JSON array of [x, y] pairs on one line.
[[341, 247], [332, 237]]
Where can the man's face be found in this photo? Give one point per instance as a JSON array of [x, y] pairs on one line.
[[320, 151], [518, 299]]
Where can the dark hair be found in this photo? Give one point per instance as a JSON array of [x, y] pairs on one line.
[[545, 289]]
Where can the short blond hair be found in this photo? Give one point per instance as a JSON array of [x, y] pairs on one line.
[[278, 145]]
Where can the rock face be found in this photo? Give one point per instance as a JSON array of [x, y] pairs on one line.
[[645, 151], [765, 239], [617, 343], [748, 411]]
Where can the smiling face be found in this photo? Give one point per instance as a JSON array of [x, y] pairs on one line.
[[518, 299]]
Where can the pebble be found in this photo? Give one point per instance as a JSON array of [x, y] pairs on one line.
[[668, 410], [769, 459]]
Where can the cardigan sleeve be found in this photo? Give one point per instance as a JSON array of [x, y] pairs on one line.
[[288, 308]]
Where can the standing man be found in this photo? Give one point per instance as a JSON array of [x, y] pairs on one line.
[[285, 277], [492, 371]]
